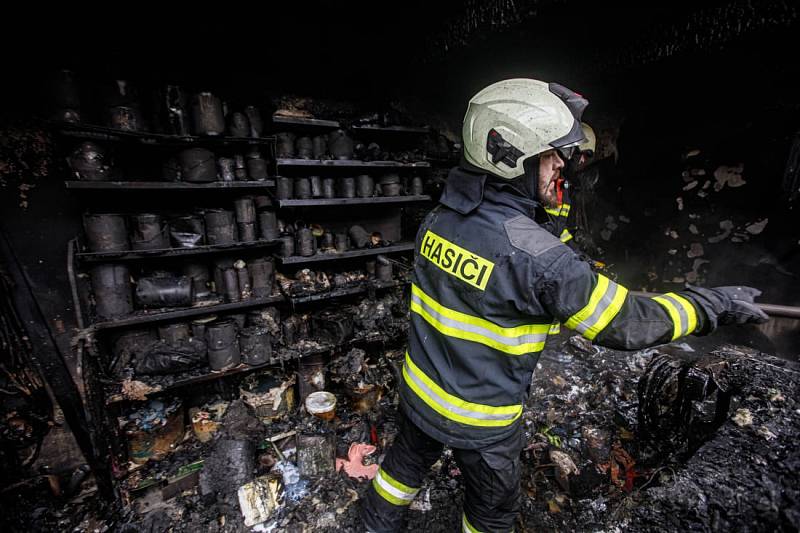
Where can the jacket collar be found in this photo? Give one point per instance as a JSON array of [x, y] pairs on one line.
[[466, 189]]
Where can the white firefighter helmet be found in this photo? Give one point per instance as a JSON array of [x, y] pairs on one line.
[[513, 120], [590, 144]]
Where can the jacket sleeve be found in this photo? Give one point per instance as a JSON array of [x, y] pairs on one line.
[[606, 313]]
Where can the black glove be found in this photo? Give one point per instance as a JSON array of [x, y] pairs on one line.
[[727, 305]]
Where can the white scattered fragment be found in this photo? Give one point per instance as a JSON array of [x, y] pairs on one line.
[[694, 216], [702, 194], [623, 218], [672, 251], [422, 502], [691, 185], [693, 229], [757, 227], [674, 234], [698, 172], [605, 234], [726, 226], [707, 184], [678, 279], [743, 418], [764, 431], [775, 396], [730, 176], [679, 200], [695, 250], [692, 153]]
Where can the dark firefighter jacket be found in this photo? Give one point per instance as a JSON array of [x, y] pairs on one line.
[[489, 286]]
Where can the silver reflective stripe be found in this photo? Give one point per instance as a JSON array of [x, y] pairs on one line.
[[684, 325], [602, 306], [509, 341], [454, 408], [394, 491]]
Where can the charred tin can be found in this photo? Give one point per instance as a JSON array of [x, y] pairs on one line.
[[310, 375], [220, 227], [319, 147], [225, 168], [197, 165], [287, 246], [390, 185], [328, 188], [245, 210], [347, 187], [284, 188], [207, 115], [247, 231], [125, 118], [240, 167], [285, 146], [111, 286], [340, 241], [243, 279], [148, 232], [316, 454], [340, 145], [302, 188], [262, 201], [316, 186], [199, 326], [238, 125], [187, 231], [105, 232], [255, 346], [304, 242], [268, 225], [164, 292], [240, 319], [370, 266], [198, 273], [221, 265], [304, 148], [262, 276], [383, 268], [66, 97], [230, 285], [223, 350], [327, 241], [417, 186], [174, 334], [359, 236], [256, 167], [88, 162], [365, 187], [176, 106], [256, 123]]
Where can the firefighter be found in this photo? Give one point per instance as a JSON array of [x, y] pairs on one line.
[[489, 286]]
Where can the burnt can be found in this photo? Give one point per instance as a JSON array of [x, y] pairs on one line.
[[230, 285], [284, 188], [268, 225], [238, 125], [369, 267], [340, 145], [365, 187], [240, 168], [391, 189], [316, 186], [198, 273], [359, 236], [417, 186], [176, 105], [220, 227], [304, 242], [223, 348], [221, 265], [255, 346], [197, 165], [285, 146], [304, 148], [148, 232], [245, 210], [199, 326], [256, 123], [316, 454], [319, 147], [347, 187], [124, 118], [225, 169], [174, 334], [262, 201], [256, 167], [327, 241], [383, 268], [328, 188], [105, 232], [302, 188], [340, 242], [243, 279], [173, 291], [310, 375], [187, 231], [287, 246], [240, 319], [89, 162], [66, 94], [207, 115], [262, 277], [111, 286], [247, 231]]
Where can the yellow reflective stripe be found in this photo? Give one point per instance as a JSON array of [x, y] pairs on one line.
[[566, 236], [453, 407], [561, 210], [681, 312], [392, 490], [555, 329], [604, 304], [466, 527], [519, 340]]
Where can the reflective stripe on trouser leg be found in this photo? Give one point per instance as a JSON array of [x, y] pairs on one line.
[[604, 304], [681, 312], [466, 527], [392, 490]]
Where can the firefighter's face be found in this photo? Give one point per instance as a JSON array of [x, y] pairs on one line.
[[550, 165]]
